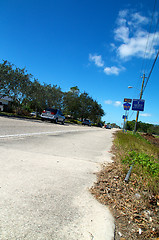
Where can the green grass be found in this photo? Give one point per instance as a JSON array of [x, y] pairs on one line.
[[134, 149]]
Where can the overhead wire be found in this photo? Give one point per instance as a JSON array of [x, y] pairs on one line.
[[143, 68], [144, 65], [131, 114], [154, 39], [150, 71]]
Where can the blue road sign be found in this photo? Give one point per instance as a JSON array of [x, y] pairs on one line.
[[125, 117], [138, 105], [127, 106]]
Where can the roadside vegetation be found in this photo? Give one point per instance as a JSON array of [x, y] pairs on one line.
[[143, 127], [29, 95], [134, 204], [137, 150]]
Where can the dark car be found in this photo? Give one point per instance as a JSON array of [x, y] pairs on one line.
[[54, 115], [86, 122], [100, 125], [108, 126]]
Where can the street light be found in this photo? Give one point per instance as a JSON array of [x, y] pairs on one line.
[[133, 87]]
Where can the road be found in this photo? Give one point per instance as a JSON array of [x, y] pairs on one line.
[[46, 171]]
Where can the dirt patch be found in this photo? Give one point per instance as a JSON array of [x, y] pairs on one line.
[[135, 210], [152, 139]]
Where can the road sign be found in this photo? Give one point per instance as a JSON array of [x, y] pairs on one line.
[[127, 100], [125, 117], [138, 105], [127, 106]]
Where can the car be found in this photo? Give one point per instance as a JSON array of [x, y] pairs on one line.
[[55, 115], [34, 114], [100, 125], [108, 126], [86, 122]]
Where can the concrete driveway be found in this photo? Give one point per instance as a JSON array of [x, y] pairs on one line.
[[46, 171]]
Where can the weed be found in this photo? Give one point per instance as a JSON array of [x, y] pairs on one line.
[[133, 148]]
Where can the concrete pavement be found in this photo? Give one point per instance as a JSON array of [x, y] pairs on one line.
[[45, 182]]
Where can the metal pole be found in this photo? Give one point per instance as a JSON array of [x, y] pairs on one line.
[[124, 123], [128, 174], [137, 115]]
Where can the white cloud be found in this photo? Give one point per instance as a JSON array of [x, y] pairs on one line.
[[145, 114], [123, 13], [137, 18], [113, 70], [132, 37], [135, 46], [117, 104], [114, 103], [131, 40], [108, 102], [113, 47], [97, 59], [122, 34]]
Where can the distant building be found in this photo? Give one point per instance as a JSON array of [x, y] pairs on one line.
[[4, 102]]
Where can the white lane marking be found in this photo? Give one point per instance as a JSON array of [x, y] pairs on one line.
[[39, 133]]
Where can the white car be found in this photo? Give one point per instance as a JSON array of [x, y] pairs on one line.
[[52, 114]]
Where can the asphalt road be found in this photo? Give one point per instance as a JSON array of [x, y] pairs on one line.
[[46, 171]]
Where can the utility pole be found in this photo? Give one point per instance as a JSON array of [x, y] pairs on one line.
[[137, 115]]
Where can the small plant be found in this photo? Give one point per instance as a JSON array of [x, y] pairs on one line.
[[148, 163], [133, 148]]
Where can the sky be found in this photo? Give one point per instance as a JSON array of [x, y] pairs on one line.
[[100, 46]]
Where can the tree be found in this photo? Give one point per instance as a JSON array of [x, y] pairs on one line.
[[71, 102], [96, 111], [84, 105], [29, 94], [14, 81]]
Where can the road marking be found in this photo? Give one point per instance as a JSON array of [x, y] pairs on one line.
[[40, 133]]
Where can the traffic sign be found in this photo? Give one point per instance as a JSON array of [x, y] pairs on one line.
[[127, 100], [138, 105], [125, 117], [127, 106]]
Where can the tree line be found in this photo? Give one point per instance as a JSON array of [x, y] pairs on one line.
[[29, 94], [143, 127]]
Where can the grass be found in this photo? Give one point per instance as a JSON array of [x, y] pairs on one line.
[[133, 148], [17, 115]]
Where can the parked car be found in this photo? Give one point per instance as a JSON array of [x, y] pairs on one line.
[[86, 122], [108, 126], [52, 114], [100, 125], [34, 114]]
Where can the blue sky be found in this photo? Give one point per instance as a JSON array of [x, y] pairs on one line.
[[100, 46]]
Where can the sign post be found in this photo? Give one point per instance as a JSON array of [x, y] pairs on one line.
[[126, 106], [141, 93]]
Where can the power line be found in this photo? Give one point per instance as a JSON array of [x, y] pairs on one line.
[[131, 114], [144, 69], [155, 38], [151, 71]]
